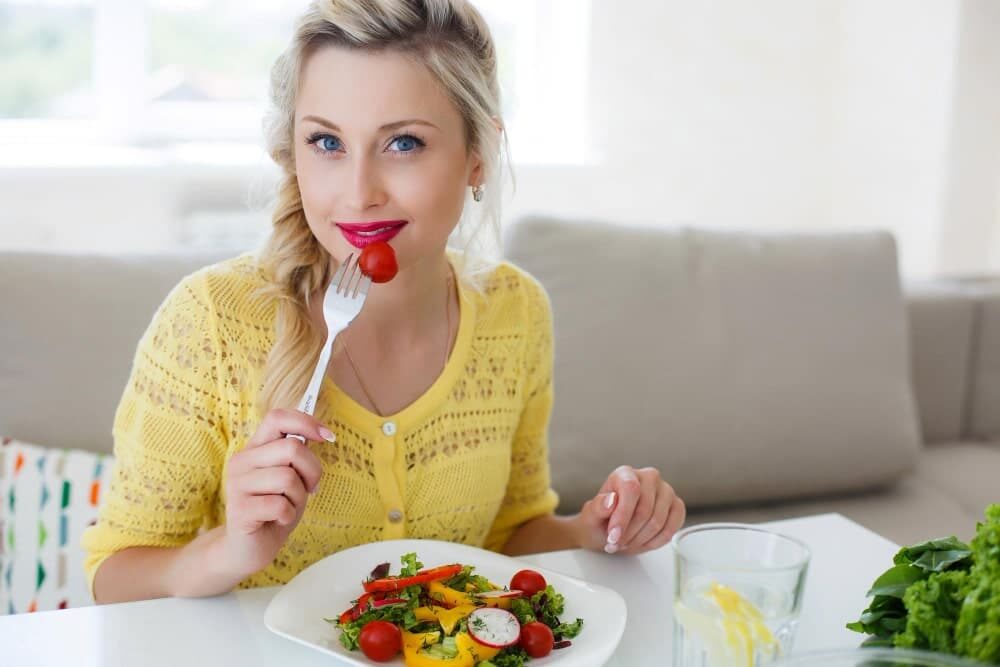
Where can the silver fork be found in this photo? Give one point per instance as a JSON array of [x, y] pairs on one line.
[[345, 295]]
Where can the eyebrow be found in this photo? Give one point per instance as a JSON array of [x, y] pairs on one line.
[[388, 126]]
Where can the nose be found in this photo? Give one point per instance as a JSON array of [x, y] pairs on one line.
[[365, 189]]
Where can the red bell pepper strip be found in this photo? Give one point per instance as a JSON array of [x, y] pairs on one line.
[[359, 607], [422, 577]]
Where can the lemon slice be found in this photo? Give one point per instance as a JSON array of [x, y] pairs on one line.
[[731, 629]]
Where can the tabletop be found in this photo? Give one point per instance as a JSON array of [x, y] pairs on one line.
[[229, 629]]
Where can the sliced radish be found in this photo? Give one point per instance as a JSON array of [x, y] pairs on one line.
[[492, 627], [499, 595]]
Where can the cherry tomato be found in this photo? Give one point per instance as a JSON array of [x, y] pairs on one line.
[[528, 582], [378, 262], [381, 641], [536, 639]]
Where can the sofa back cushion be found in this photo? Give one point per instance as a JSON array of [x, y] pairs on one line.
[[943, 323], [70, 325], [984, 409], [745, 366]]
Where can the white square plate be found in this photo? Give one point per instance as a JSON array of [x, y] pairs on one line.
[[327, 587]]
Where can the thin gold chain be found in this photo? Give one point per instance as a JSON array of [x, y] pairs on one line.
[[447, 346]]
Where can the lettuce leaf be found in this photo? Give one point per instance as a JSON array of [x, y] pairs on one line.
[[941, 595], [977, 633]]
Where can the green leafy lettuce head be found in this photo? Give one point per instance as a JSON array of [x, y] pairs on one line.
[[977, 633]]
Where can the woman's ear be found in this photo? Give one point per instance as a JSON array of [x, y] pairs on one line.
[[476, 173]]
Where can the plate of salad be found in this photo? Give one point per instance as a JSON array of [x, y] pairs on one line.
[[426, 603]]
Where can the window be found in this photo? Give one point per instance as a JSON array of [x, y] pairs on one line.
[[155, 73], [46, 58]]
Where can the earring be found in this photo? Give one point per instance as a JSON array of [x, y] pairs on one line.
[[477, 192]]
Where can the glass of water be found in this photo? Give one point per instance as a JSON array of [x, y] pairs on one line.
[[737, 593]]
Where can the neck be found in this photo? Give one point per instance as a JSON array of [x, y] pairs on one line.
[[408, 308]]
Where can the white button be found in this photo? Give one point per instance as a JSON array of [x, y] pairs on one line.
[[395, 516], [389, 428]]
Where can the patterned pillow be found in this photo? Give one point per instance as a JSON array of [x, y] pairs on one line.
[[48, 497]]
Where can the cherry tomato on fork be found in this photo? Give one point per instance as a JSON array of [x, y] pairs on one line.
[[378, 262], [380, 641], [528, 582]]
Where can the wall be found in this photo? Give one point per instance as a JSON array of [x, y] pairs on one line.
[[777, 114]]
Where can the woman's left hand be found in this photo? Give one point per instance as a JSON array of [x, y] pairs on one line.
[[635, 511]]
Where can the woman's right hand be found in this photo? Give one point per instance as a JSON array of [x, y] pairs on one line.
[[267, 486]]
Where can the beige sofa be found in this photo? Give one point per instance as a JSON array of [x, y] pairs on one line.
[[767, 376]]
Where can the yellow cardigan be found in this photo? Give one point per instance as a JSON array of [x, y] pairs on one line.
[[466, 462]]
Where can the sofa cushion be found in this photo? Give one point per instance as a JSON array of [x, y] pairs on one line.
[[968, 472], [984, 421], [744, 366], [49, 497], [908, 512], [942, 318], [70, 327]]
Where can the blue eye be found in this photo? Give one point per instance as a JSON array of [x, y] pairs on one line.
[[325, 143], [406, 143], [328, 143]]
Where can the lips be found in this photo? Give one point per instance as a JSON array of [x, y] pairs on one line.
[[361, 234]]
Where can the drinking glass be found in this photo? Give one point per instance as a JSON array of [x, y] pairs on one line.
[[737, 595]]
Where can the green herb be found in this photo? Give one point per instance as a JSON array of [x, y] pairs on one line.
[[522, 609], [513, 656], [977, 633], [410, 565], [568, 630], [401, 615], [941, 595], [461, 581], [548, 605], [933, 606], [935, 555], [446, 649]]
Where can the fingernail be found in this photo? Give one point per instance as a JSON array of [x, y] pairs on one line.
[[614, 535], [610, 548], [327, 434], [610, 501]]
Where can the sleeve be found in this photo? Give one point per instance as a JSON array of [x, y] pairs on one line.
[[529, 491], [169, 438]]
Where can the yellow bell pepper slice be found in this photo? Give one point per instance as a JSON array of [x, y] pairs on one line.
[[449, 618], [421, 639], [425, 614], [467, 645], [469, 653], [446, 618], [452, 598], [501, 603], [448, 596], [414, 657]]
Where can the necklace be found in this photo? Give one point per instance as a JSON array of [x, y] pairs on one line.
[[447, 345]]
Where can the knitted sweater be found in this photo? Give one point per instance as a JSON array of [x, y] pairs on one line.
[[466, 462]]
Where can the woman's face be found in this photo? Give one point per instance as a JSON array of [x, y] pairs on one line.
[[380, 154]]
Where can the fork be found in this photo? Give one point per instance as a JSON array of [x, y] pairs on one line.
[[345, 295]]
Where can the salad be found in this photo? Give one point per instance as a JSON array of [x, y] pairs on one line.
[[449, 616]]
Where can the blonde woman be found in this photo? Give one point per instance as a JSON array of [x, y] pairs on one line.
[[432, 419]]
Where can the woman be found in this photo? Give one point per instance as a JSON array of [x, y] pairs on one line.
[[432, 420]]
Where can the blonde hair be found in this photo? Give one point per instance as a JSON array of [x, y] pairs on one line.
[[451, 38]]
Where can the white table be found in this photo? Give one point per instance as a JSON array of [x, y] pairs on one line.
[[229, 630]]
